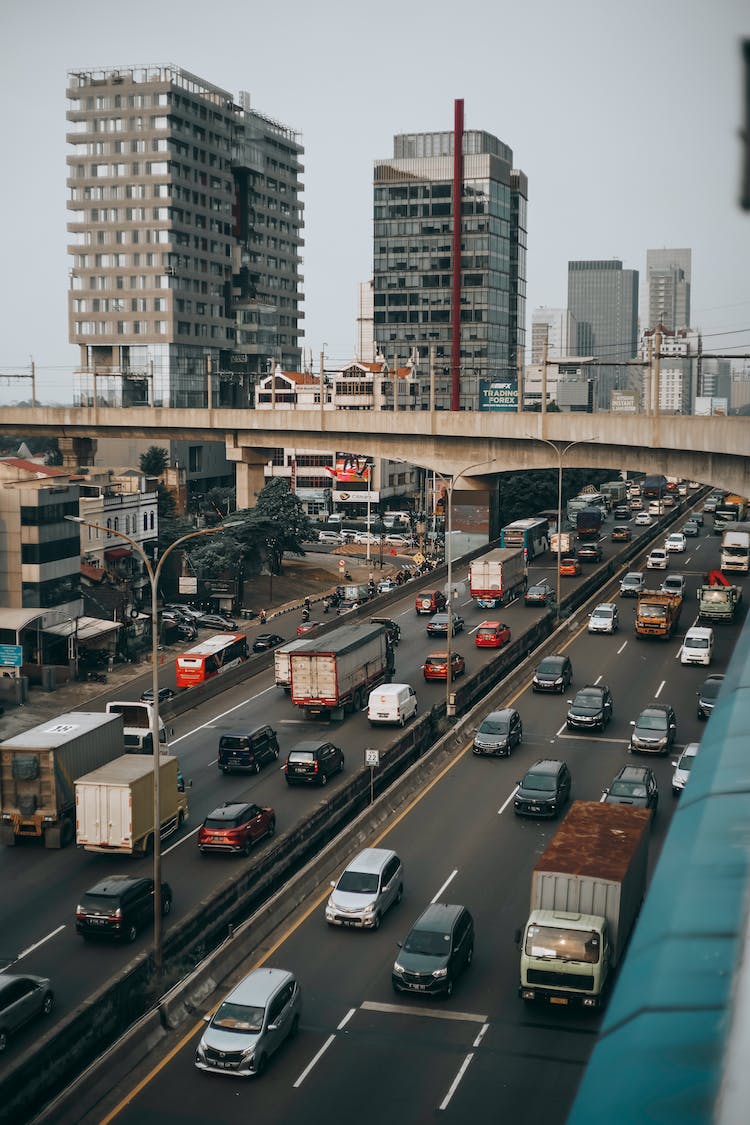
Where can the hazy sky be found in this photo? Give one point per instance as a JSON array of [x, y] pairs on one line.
[[625, 117]]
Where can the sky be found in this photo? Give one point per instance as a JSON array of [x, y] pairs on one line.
[[626, 118]]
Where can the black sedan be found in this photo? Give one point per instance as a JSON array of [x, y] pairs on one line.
[[539, 594], [265, 641], [216, 621], [589, 552], [165, 694], [437, 626]]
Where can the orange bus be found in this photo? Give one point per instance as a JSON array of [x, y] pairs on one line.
[[210, 658]]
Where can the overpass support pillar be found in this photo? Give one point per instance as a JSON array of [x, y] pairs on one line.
[[77, 451], [493, 489], [249, 465]]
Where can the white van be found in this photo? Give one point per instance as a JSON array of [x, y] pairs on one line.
[[391, 703], [698, 646]]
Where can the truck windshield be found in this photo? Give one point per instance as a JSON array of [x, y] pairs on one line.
[[646, 609], [555, 943], [713, 596]]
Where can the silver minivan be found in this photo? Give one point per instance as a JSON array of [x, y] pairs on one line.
[[250, 1024], [370, 884]]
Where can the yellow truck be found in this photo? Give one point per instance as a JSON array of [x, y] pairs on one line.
[[657, 614]]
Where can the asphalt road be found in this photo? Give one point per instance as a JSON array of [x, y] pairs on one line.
[[483, 1055]]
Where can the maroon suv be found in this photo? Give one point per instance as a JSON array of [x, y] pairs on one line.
[[235, 826]]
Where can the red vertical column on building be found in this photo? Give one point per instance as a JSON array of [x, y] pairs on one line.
[[458, 179]]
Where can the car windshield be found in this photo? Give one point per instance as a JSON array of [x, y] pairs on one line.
[[550, 667], [220, 823], [557, 944], [602, 611], [544, 782], [358, 883], [588, 699], [652, 720], [627, 789], [238, 1017], [536, 591], [234, 741], [696, 642], [427, 943], [631, 580], [686, 762], [488, 631], [103, 904], [301, 756], [494, 726], [437, 661]]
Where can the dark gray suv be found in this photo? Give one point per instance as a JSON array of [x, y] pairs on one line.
[[439, 947], [544, 789], [119, 906], [499, 733], [312, 763], [248, 751]]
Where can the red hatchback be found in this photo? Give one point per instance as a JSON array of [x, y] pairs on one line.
[[435, 666], [308, 628], [570, 567], [492, 634], [235, 826]]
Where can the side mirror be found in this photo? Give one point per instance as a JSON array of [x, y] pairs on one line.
[[190, 783], [333, 883], [206, 1019], [632, 722], [674, 764], [400, 944]]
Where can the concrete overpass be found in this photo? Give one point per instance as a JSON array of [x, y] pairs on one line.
[[714, 450]]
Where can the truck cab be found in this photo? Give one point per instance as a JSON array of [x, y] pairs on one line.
[[581, 941]]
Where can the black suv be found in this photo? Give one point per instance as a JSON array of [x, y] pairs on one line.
[[590, 552], [544, 789], [633, 785], [438, 948], [554, 673], [248, 751], [708, 695], [119, 906], [591, 708], [312, 763]]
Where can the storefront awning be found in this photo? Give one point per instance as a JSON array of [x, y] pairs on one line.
[[88, 628], [114, 553]]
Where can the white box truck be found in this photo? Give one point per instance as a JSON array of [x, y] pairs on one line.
[[115, 805], [735, 548], [334, 674], [586, 892], [137, 719], [282, 666], [39, 768], [497, 576]]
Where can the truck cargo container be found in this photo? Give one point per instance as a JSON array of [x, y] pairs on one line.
[[39, 768], [735, 548], [138, 719], [334, 674], [282, 667], [616, 491], [115, 805], [497, 577], [586, 892], [657, 613], [589, 523], [560, 542]]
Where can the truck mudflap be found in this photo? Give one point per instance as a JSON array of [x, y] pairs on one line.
[[553, 996]]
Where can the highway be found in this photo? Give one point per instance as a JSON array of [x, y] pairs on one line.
[[37, 911], [482, 1055]]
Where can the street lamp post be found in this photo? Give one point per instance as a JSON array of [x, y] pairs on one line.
[[153, 577], [450, 709], [560, 451]]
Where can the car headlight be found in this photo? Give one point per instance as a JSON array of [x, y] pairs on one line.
[[369, 911], [398, 967], [440, 972], [558, 680]]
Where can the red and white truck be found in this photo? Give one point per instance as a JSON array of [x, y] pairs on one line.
[[497, 577], [333, 675]]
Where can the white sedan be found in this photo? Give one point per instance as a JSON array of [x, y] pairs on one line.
[[643, 519], [675, 542], [658, 559]]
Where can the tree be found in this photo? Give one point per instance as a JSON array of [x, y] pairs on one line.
[[278, 517], [154, 461]]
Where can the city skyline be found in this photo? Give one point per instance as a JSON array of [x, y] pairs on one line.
[[570, 82]]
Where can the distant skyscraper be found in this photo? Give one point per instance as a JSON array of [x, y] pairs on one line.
[[556, 327], [415, 295], [603, 298], [668, 275]]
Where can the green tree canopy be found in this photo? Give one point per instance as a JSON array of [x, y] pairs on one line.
[[154, 461]]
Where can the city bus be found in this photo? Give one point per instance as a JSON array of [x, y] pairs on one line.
[[531, 534], [210, 658]]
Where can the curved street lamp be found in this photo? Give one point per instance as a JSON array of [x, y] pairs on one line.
[[560, 451], [153, 577]]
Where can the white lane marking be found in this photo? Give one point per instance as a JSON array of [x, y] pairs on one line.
[[474, 629], [447, 882], [222, 715], [36, 944], [470, 602], [454, 1084], [507, 801], [564, 727], [346, 1019], [658, 691], [182, 839], [313, 1061], [477, 1042], [597, 680], [423, 1013], [624, 645]]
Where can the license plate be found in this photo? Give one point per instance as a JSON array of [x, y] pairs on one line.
[[225, 1065], [97, 921], [382, 714], [533, 808], [558, 1000]]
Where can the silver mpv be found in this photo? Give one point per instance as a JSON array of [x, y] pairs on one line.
[[250, 1024], [370, 884]]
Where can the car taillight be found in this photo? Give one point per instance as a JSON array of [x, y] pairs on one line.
[[315, 767], [80, 914], [116, 913]]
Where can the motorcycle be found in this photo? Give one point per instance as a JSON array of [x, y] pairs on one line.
[[96, 678]]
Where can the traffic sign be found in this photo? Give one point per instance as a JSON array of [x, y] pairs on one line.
[[11, 656], [419, 558], [372, 757], [342, 565]]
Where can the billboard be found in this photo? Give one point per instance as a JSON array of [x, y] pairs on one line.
[[350, 467], [623, 402], [495, 394]]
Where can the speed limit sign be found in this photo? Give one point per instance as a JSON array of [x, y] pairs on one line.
[[342, 565]]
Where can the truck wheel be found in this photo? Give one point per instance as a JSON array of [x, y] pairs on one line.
[[67, 833]]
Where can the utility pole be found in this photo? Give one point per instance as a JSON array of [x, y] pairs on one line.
[[209, 389], [657, 370], [322, 385], [544, 377], [519, 394]]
